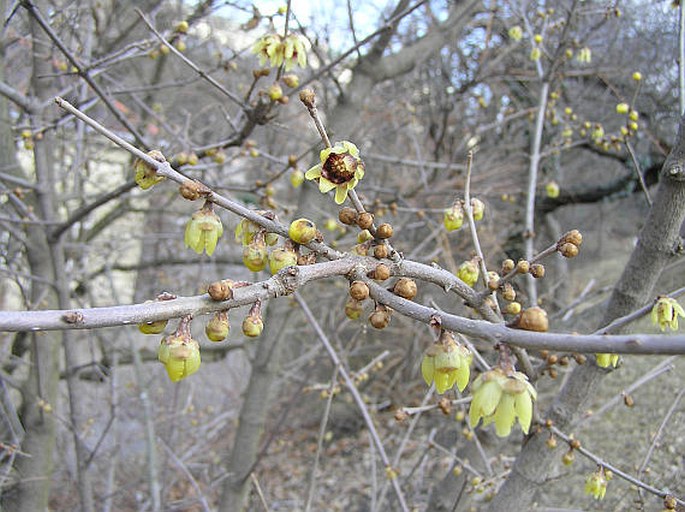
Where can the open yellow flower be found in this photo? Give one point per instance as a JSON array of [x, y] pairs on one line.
[[271, 48], [340, 169], [596, 484], [501, 398], [665, 313], [294, 52], [446, 363], [203, 230]]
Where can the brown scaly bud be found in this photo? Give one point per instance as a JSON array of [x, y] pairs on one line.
[[532, 319], [537, 270], [553, 373], [384, 231], [445, 405], [359, 290], [380, 318], [306, 259], [217, 328], [523, 267], [405, 288], [401, 415], [552, 359], [568, 250], [253, 325], [670, 503], [193, 190], [221, 290], [493, 282], [574, 444], [348, 216], [551, 442], [513, 308], [508, 292], [258, 73], [571, 237], [580, 358], [365, 220], [380, 273], [308, 98], [380, 251], [507, 266], [628, 400]]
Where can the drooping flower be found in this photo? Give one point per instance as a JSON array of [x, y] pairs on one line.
[[446, 363], [606, 360], [146, 175], [180, 355], [340, 169], [596, 484], [584, 55], [502, 397], [516, 33], [203, 230], [269, 47], [294, 52], [665, 313], [453, 217], [246, 230]]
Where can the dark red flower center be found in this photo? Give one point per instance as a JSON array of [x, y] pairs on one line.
[[339, 168]]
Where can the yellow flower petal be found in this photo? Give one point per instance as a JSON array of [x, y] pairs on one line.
[[340, 194], [523, 405], [427, 370], [505, 415], [314, 172], [325, 185]]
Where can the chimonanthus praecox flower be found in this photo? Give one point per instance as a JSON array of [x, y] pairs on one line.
[[340, 169], [294, 52], [271, 48], [203, 230], [446, 363], [665, 313], [501, 397], [180, 355], [596, 484]]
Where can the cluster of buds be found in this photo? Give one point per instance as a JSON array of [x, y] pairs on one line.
[[453, 217], [340, 168], [254, 240], [179, 353], [278, 51], [203, 230], [502, 397], [596, 483], [569, 244], [146, 175], [446, 363]]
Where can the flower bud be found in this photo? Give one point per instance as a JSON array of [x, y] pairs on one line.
[[182, 27], [281, 258], [477, 209], [217, 328], [453, 217], [156, 327], [347, 216], [291, 80], [622, 108], [364, 236], [552, 189], [508, 292], [507, 266], [275, 92], [380, 251], [221, 290], [193, 190], [180, 355], [405, 288], [302, 231], [359, 290], [568, 250], [353, 309], [568, 458], [380, 318], [572, 237], [253, 325], [468, 272], [146, 175], [532, 319], [380, 273], [522, 267], [365, 220], [255, 256], [296, 178], [537, 270], [513, 308], [384, 231]]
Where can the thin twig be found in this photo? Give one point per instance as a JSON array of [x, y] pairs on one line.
[[359, 401], [638, 172]]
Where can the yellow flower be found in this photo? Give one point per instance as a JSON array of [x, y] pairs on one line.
[[596, 484], [552, 189], [501, 398], [468, 272], [180, 356], [271, 48], [606, 360], [246, 230], [203, 230], [340, 169], [516, 33], [665, 313], [584, 55], [446, 363], [294, 52], [146, 175], [453, 217]]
